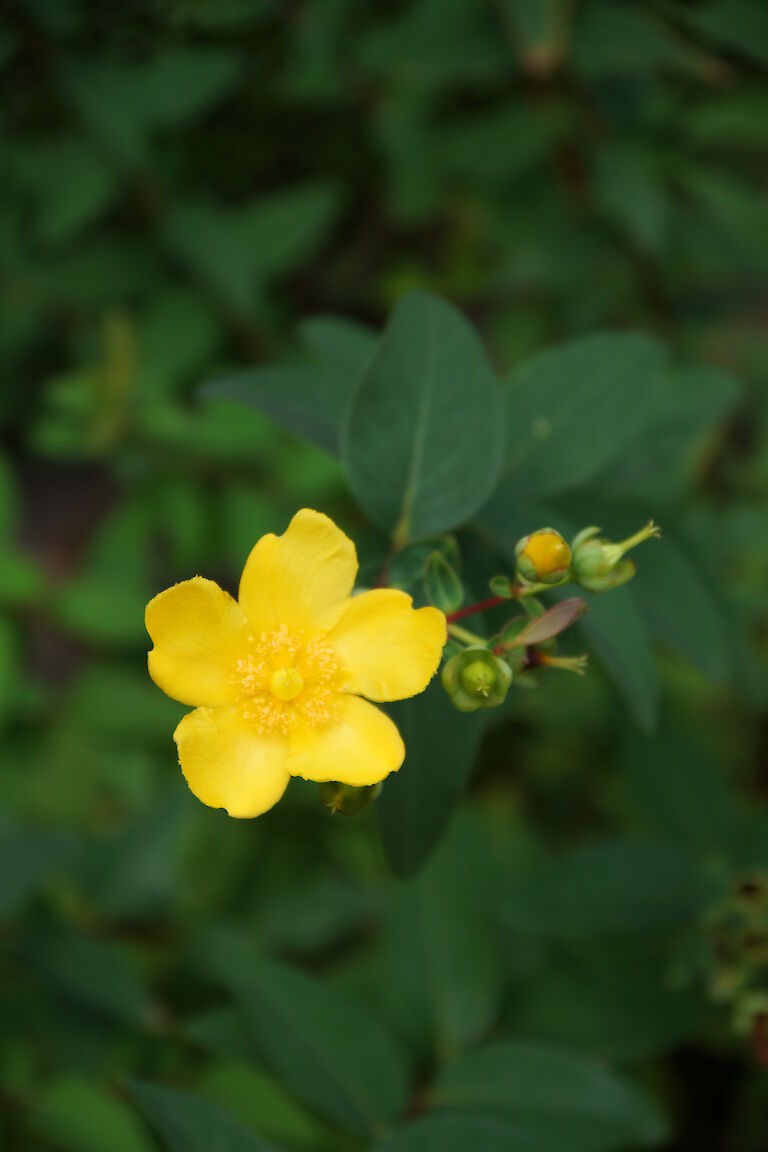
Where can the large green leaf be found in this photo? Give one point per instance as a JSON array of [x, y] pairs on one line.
[[78, 1116], [554, 1090], [417, 802], [685, 415], [616, 998], [320, 1044], [482, 1131], [681, 794], [611, 888], [683, 610], [441, 955], [573, 409], [187, 1123], [235, 252], [618, 634], [308, 398], [423, 440]]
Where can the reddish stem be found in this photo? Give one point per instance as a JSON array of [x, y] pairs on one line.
[[481, 606]]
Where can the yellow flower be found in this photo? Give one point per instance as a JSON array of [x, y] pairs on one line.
[[278, 675]]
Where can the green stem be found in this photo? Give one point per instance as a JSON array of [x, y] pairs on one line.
[[466, 636]]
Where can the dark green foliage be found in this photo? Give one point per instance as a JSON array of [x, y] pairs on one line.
[[451, 272]]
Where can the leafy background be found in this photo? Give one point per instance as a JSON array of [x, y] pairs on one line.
[[532, 941]]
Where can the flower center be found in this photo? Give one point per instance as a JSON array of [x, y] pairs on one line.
[[285, 679], [285, 683]]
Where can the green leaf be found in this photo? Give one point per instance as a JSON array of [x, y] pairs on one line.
[[454, 1131], [423, 440], [630, 191], [610, 888], [552, 622], [258, 1102], [236, 252], [732, 24], [122, 103], [681, 794], [441, 584], [686, 411], [589, 1106], [441, 959], [684, 612], [339, 343], [83, 188], [79, 1116], [93, 974], [615, 39], [618, 635], [29, 859], [187, 1123], [572, 410], [416, 803], [307, 398], [321, 1045], [619, 999]]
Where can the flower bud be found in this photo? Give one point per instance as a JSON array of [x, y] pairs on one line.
[[476, 678], [598, 565], [345, 798], [543, 557], [613, 579]]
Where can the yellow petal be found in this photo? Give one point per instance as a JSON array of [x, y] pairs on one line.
[[388, 649], [198, 631], [300, 579], [361, 747], [228, 765]]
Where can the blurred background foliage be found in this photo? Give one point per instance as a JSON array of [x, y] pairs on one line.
[[576, 955]]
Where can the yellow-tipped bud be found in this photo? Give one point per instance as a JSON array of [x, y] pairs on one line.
[[543, 557]]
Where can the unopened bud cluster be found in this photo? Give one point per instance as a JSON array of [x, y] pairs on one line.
[[479, 672], [544, 557]]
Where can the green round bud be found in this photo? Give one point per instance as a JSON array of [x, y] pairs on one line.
[[589, 560], [614, 578], [476, 678]]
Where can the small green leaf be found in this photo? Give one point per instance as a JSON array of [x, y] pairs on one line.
[[423, 440], [502, 586], [442, 584], [552, 622]]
